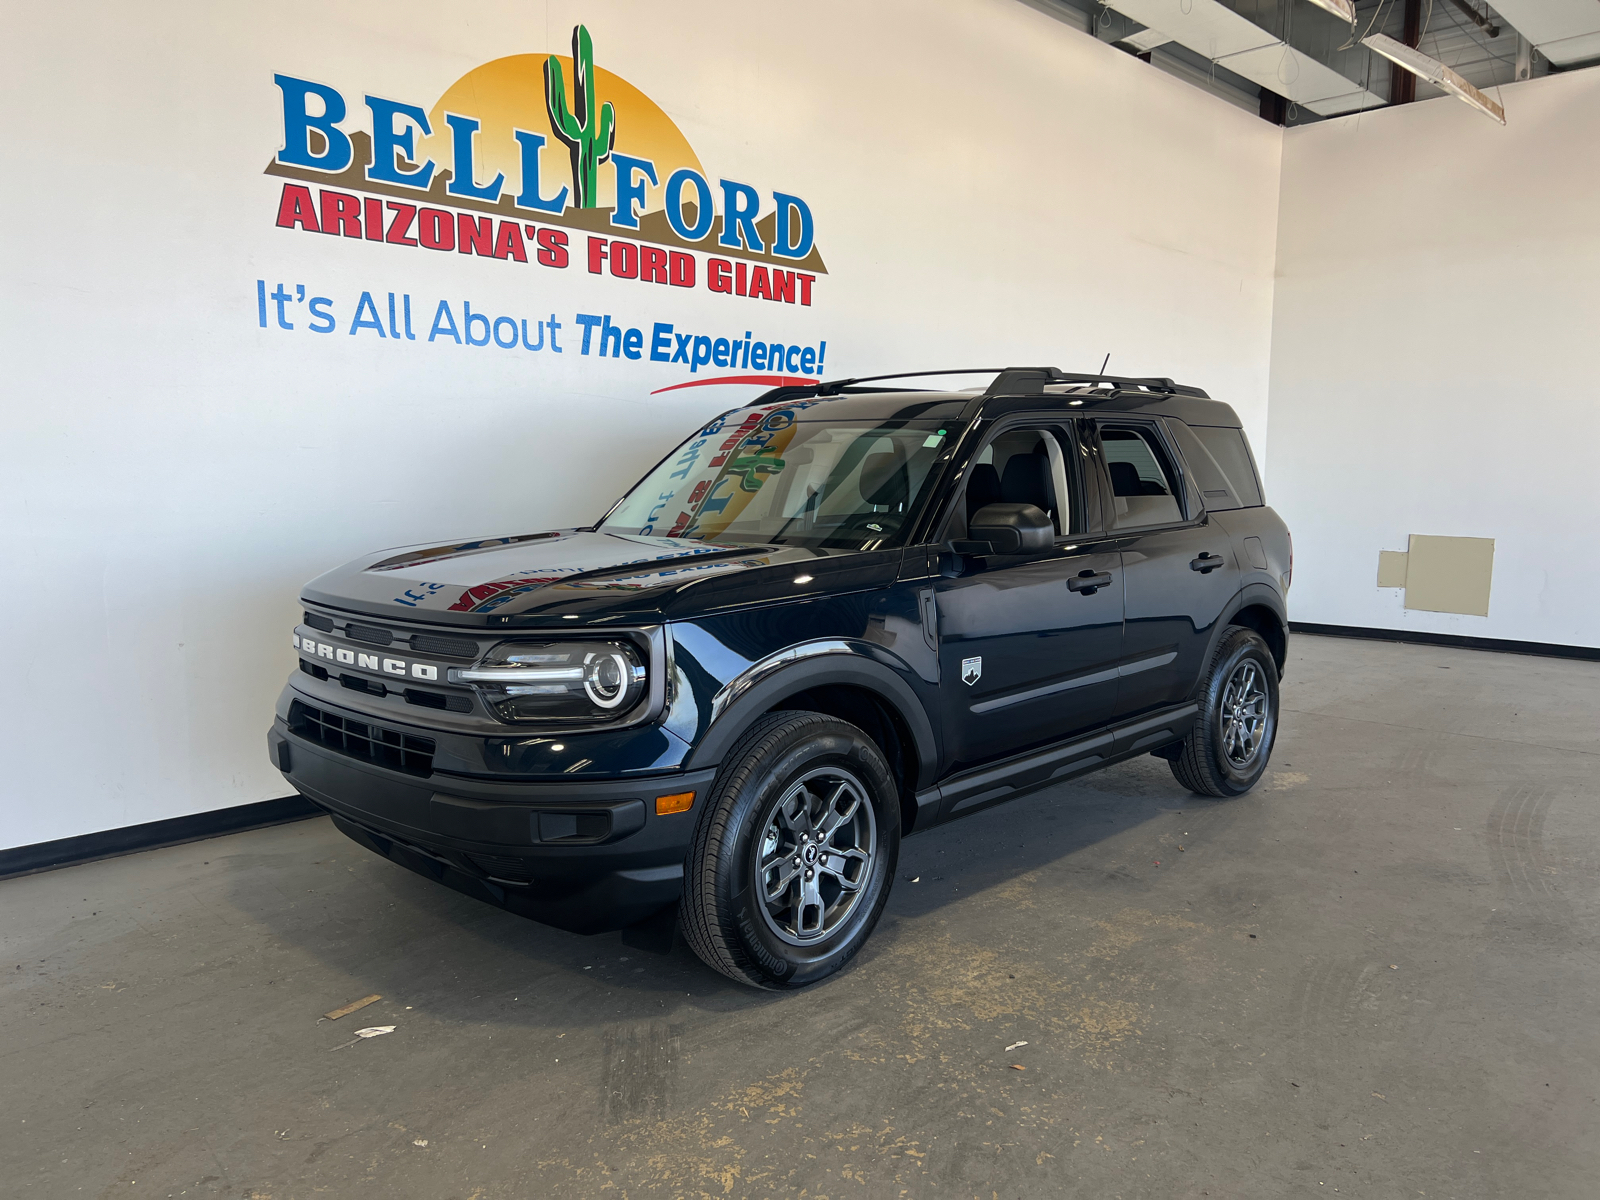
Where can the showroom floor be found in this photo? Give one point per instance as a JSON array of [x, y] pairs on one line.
[[1375, 975]]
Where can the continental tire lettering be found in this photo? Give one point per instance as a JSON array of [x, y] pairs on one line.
[[765, 957]]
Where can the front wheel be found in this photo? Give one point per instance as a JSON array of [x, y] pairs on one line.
[[792, 862], [1226, 752]]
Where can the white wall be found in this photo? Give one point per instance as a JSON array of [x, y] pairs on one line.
[[989, 186], [1433, 356]]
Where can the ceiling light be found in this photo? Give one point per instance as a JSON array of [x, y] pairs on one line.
[[1434, 72], [1146, 40], [1345, 10]]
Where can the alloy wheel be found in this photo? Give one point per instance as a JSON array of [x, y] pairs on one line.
[[1243, 714], [815, 855]]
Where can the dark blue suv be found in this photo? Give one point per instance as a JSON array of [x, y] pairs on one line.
[[845, 613]]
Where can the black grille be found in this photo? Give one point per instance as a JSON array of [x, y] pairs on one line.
[[316, 622], [357, 683], [372, 743], [437, 700], [369, 634], [500, 866], [450, 647], [313, 670]]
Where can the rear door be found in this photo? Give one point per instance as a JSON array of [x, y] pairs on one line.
[[1179, 571], [1028, 648]]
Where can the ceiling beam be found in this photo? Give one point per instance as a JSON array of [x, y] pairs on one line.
[[1403, 84]]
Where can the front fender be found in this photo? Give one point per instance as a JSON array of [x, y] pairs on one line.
[[825, 661]]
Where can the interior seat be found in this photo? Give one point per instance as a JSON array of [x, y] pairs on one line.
[[1125, 479], [1027, 481], [983, 487], [884, 480]]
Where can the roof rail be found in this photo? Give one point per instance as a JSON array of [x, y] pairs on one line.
[[1008, 381], [836, 387], [1027, 380], [833, 386]]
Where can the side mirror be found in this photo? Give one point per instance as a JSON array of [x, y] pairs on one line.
[[1012, 529]]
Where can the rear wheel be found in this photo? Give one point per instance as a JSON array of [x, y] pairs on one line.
[[792, 862], [1227, 751]]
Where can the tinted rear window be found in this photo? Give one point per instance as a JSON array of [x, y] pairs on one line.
[[1205, 475], [1232, 453], [1220, 463]]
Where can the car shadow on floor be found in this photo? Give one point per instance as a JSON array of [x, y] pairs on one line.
[[1018, 838], [461, 960]]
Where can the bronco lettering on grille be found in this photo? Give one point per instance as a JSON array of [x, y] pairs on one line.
[[312, 648]]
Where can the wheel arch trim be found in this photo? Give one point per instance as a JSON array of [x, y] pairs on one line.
[[1252, 595], [806, 665]]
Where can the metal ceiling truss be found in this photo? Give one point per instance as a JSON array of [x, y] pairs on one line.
[[1312, 53]]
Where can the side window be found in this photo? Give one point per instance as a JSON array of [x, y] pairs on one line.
[[1019, 466], [1232, 453], [1143, 487], [1217, 494]]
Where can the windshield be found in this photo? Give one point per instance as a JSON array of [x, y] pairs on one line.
[[770, 476]]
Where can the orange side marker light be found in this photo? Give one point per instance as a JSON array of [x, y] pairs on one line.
[[676, 803]]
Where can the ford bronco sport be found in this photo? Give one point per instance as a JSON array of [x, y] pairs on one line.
[[842, 614]]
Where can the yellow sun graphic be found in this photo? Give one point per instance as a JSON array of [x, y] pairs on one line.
[[508, 94]]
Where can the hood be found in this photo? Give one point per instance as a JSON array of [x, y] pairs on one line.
[[563, 575]]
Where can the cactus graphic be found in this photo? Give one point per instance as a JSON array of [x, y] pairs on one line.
[[590, 143], [753, 469]]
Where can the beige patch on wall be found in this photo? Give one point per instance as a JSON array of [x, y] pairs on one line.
[[1392, 568], [1441, 574]]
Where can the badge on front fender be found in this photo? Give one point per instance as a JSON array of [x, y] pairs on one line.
[[971, 670]]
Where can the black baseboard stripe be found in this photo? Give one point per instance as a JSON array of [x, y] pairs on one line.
[[111, 843], [1460, 641]]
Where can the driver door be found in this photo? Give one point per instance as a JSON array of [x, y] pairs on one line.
[[1028, 647]]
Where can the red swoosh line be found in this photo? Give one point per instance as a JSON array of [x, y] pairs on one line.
[[758, 380]]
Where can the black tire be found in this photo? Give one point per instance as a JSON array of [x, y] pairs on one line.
[[726, 918], [1228, 749]]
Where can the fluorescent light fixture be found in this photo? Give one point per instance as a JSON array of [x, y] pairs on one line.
[[1345, 10], [1146, 40], [1434, 71]]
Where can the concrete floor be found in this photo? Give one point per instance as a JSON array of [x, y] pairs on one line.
[[1376, 975]]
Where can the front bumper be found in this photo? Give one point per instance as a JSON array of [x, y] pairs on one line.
[[584, 856]]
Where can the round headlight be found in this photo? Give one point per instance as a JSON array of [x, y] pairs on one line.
[[572, 682], [606, 677]]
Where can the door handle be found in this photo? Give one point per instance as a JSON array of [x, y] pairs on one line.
[[1206, 563], [1086, 583]]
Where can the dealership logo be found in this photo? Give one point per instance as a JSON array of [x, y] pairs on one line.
[[545, 160]]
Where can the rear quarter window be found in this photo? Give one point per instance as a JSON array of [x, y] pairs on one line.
[[1220, 458]]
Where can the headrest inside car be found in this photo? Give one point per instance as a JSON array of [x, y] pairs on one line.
[[884, 479], [983, 488], [1125, 479]]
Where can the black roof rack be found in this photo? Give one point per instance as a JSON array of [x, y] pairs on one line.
[[1008, 381], [1027, 380]]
